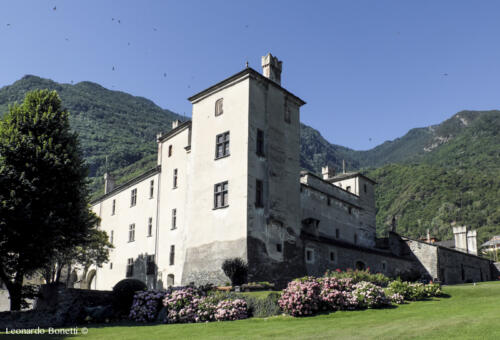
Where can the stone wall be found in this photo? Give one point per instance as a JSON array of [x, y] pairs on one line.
[[57, 306], [457, 267]]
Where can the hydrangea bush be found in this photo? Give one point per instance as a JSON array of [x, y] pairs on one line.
[[414, 291], [301, 297], [146, 305], [338, 294], [369, 295], [188, 305]]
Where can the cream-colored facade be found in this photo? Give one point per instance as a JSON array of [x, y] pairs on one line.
[[228, 184]]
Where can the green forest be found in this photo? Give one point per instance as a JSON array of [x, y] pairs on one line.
[[430, 178]]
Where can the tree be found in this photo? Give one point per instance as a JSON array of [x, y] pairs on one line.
[[44, 208], [236, 270]]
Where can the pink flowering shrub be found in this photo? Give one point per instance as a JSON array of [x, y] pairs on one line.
[[369, 295], [301, 297], [337, 294], [187, 305], [146, 305], [229, 310], [397, 298]]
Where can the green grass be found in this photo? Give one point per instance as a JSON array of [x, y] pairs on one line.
[[470, 312]]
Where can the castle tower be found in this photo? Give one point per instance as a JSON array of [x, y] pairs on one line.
[[244, 195]]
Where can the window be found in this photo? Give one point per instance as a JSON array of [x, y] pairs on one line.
[[221, 195], [348, 188], [259, 193], [130, 267], [260, 143], [111, 265], [355, 238], [172, 255], [364, 188], [150, 265], [332, 256], [170, 280], [151, 188], [329, 201], [111, 237], [113, 207], [349, 209], [133, 197], [150, 226], [360, 265], [175, 179], [279, 247], [288, 118], [384, 265], [174, 219], [218, 107], [169, 150], [309, 255], [131, 233], [222, 145], [337, 233]]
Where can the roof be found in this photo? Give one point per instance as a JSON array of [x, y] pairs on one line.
[[247, 71], [347, 175], [447, 243], [135, 180], [175, 131]]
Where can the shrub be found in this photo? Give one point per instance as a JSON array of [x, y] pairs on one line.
[[146, 305], [188, 305], [263, 307], [369, 295], [357, 276], [123, 294], [236, 270], [337, 293], [397, 298], [301, 297], [231, 310], [414, 291]]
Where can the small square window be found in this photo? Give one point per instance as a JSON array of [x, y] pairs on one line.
[[219, 106], [170, 150], [221, 195], [222, 145], [332, 256], [279, 248]]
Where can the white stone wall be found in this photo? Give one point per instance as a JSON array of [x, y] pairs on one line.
[[125, 214]]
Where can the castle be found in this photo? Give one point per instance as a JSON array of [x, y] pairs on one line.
[[228, 184]]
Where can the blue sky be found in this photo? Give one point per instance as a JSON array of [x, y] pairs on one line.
[[368, 70]]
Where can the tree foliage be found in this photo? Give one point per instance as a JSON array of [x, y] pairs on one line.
[[44, 207]]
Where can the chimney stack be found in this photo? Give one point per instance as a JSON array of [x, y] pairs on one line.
[[109, 183], [271, 68], [460, 238], [327, 172], [472, 242], [343, 166], [175, 123]]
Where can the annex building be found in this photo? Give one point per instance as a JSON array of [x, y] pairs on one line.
[[228, 183]]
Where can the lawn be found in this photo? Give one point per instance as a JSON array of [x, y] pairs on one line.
[[470, 312]]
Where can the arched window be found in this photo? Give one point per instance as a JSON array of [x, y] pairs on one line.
[[170, 280], [360, 265], [218, 107]]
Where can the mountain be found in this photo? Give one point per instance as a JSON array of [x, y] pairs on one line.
[[429, 178]]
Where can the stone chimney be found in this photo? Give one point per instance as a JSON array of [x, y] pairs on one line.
[[460, 238], [175, 123], [271, 68], [327, 172], [472, 242], [109, 183]]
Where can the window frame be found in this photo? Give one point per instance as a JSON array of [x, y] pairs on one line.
[[170, 150], [171, 259], [259, 193], [219, 107], [309, 250], [133, 197], [259, 146], [151, 188], [175, 178], [113, 207], [224, 143], [130, 267], [131, 232], [223, 192], [150, 227], [174, 219]]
